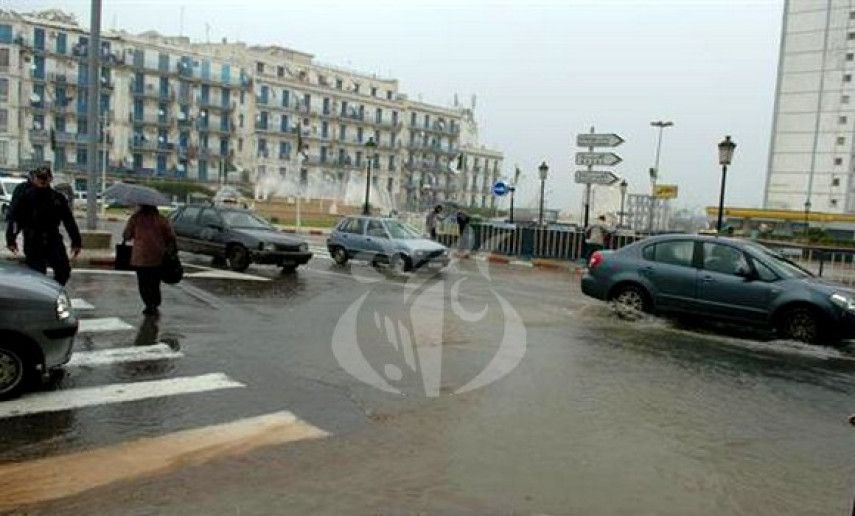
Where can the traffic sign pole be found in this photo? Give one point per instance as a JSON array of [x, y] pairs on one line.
[[588, 192]]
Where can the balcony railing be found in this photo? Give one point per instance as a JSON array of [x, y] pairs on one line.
[[38, 134], [142, 145], [66, 137]]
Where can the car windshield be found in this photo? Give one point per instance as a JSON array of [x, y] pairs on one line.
[[242, 219], [402, 231], [783, 265], [9, 186]]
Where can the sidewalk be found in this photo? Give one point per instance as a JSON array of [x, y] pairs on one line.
[[101, 258], [304, 230]]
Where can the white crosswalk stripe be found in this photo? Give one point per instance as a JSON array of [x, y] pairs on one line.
[[123, 355], [56, 401], [103, 324]]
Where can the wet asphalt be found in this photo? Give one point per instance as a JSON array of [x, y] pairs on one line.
[[595, 415]]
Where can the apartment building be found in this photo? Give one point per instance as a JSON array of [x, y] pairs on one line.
[[199, 111]]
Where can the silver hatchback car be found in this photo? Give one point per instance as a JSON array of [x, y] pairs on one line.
[[386, 241], [37, 327]]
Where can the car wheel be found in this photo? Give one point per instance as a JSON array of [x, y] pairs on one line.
[[400, 264], [801, 324], [339, 255], [289, 268], [238, 258], [630, 302], [13, 373]]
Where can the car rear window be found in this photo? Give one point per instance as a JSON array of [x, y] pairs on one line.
[[674, 252], [188, 216]]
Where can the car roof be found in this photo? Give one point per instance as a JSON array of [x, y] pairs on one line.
[[369, 217], [700, 238]]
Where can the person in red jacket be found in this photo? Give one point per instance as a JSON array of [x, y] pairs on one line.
[[152, 236]]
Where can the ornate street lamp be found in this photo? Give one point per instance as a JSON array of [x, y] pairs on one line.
[[623, 186], [370, 145], [544, 171], [725, 156]]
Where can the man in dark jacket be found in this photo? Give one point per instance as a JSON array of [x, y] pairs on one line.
[[37, 211]]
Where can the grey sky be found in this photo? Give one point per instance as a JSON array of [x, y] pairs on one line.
[[542, 71]]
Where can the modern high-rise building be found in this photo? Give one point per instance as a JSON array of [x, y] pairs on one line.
[[172, 108], [812, 152]]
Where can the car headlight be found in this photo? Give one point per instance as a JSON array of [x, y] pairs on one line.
[[304, 247], [843, 301], [63, 307]]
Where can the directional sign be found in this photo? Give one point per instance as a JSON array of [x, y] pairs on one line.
[[597, 177], [597, 158], [665, 191], [598, 140], [500, 188]]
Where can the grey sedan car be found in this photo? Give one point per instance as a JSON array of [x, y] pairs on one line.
[[37, 327], [723, 279], [386, 241]]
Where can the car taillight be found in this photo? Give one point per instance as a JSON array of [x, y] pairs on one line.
[[596, 260]]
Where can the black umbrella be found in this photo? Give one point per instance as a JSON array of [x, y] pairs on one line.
[[129, 194]]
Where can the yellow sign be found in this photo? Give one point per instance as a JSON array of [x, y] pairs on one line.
[[666, 191]]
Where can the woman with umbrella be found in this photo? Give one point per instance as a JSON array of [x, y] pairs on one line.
[[152, 236]]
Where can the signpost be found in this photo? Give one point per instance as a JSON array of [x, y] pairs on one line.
[[665, 191], [590, 159]]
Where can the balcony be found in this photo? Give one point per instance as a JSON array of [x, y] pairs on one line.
[[148, 120], [150, 92], [165, 122], [346, 164], [218, 106], [38, 135], [165, 147], [142, 145], [64, 137], [219, 129]]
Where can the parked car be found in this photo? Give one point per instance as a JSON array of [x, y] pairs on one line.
[[37, 327], [237, 236], [7, 186], [386, 241], [722, 279]]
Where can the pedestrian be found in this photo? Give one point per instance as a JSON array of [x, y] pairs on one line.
[[595, 236], [152, 237], [462, 226], [433, 220], [37, 210]]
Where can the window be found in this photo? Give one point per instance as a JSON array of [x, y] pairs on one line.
[[835, 181], [847, 77], [841, 140], [838, 161], [850, 56], [280, 71], [852, 15], [359, 134], [4, 120], [61, 43], [844, 99], [342, 133], [4, 89], [4, 152], [378, 115], [764, 272], [325, 129], [259, 67], [209, 217], [356, 87], [675, 252], [376, 229], [373, 91], [850, 36], [723, 259], [832, 203], [4, 58], [354, 226], [338, 84], [389, 95], [392, 162], [842, 120], [188, 216], [5, 33], [286, 97]]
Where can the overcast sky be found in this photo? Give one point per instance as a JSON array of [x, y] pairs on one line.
[[542, 71]]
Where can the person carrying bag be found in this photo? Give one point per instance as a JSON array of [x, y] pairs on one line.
[[154, 255]]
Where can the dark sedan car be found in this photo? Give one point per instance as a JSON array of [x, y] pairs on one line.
[[723, 279], [238, 237]]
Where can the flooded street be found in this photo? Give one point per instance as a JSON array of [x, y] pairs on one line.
[[594, 414]]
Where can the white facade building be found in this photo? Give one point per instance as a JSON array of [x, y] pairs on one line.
[[209, 112], [813, 134]]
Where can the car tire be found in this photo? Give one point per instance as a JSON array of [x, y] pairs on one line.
[[339, 255], [800, 324], [237, 258], [630, 302], [289, 268], [14, 372], [400, 264]]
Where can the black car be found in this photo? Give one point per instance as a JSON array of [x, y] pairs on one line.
[[237, 236]]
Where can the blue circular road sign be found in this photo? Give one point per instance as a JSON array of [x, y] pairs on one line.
[[500, 188]]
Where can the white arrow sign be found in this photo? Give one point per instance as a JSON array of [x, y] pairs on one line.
[[597, 158], [597, 177], [598, 140]]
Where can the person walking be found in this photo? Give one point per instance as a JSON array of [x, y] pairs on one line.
[[152, 237], [595, 236], [433, 220], [37, 210], [462, 226]]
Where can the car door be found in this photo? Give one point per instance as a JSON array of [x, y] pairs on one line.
[[210, 233], [669, 267], [352, 234], [185, 227], [729, 286], [376, 238]]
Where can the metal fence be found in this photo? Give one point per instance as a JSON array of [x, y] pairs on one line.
[[832, 263]]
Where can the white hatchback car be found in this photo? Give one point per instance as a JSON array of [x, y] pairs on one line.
[[7, 186]]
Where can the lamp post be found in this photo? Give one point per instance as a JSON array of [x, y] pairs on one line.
[[512, 189], [544, 170], [807, 217], [623, 186], [654, 172], [366, 210], [725, 156]]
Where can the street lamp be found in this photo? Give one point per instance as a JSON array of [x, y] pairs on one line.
[[654, 172], [807, 216], [725, 156], [370, 145], [623, 186], [544, 170]]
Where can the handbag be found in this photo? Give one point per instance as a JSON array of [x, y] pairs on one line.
[[123, 257], [171, 270]]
